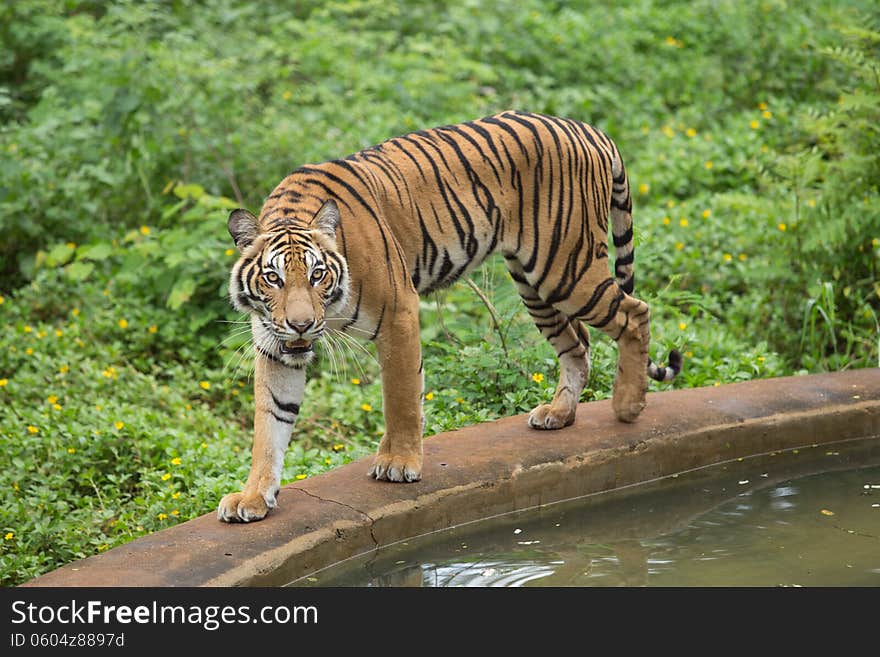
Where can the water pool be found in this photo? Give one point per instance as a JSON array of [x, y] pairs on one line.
[[800, 517]]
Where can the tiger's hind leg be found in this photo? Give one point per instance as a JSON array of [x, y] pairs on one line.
[[627, 321], [571, 341]]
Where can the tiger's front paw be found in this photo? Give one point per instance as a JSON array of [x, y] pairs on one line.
[[245, 507], [391, 467], [551, 416]]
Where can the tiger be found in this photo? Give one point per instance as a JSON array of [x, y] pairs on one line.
[[350, 245]]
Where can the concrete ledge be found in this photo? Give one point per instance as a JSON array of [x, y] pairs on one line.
[[489, 469]]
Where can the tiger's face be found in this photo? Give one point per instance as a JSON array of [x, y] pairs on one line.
[[287, 280]]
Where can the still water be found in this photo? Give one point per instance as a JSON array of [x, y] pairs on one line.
[[805, 517]]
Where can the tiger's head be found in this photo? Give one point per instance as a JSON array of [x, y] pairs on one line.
[[288, 279]]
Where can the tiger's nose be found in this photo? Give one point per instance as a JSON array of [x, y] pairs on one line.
[[301, 327]]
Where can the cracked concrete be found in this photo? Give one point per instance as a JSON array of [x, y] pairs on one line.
[[487, 470], [371, 521]]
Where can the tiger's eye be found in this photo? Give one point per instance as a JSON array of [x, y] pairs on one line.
[[272, 278], [317, 276]]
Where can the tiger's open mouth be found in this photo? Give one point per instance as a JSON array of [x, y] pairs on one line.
[[296, 347]]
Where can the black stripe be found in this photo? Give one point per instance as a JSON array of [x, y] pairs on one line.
[[281, 419], [623, 240], [287, 407], [623, 261]]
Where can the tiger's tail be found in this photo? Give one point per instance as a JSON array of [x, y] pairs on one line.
[[622, 226], [624, 256]]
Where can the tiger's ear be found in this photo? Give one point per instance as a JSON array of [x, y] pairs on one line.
[[244, 228], [327, 218]]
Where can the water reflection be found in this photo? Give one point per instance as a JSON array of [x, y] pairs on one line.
[[703, 529]]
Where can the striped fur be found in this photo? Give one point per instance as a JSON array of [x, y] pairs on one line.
[[414, 214]]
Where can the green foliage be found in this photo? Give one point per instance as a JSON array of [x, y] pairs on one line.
[[129, 129]]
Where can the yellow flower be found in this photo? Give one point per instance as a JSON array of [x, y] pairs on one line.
[[301, 476], [27, 329], [75, 312], [41, 335], [71, 450], [537, 377], [57, 407], [708, 164], [80, 343], [666, 221], [670, 203], [235, 392], [188, 407], [175, 495], [717, 383], [29, 351], [672, 41], [338, 447], [52, 399], [33, 429], [668, 131], [166, 476], [118, 425], [64, 369], [175, 512], [811, 202], [875, 242], [229, 252], [767, 114], [204, 445], [727, 257], [9, 536], [328, 461], [175, 460], [690, 132], [58, 333], [762, 105], [71, 245], [679, 246], [683, 222], [103, 547], [682, 326], [742, 256], [357, 382], [162, 516], [3, 382], [707, 214], [204, 385], [287, 95], [782, 227], [761, 359], [754, 125], [123, 323], [644, 188], [429, 396], [366, 407], [153, 329], [2, 299], [460, 400], [145, 230]]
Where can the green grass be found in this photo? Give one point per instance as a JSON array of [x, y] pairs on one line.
[[749, 130]]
